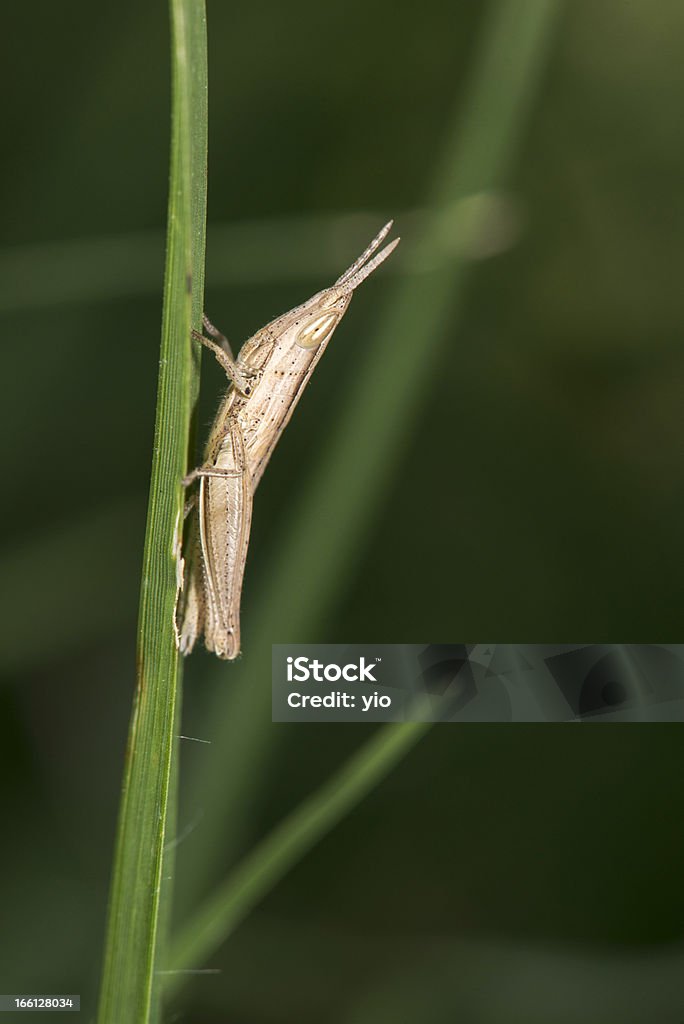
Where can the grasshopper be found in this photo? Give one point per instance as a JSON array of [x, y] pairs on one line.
[[266, 382]]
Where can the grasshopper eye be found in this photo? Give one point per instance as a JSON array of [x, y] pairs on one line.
[[317, 331]]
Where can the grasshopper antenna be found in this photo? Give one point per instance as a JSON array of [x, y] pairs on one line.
[[357, 264], [350, 283]]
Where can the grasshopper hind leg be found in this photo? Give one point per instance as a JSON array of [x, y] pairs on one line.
[[225, 515], [190, 613]]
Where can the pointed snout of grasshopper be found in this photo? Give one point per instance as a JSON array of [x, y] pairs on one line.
[[330, 306]]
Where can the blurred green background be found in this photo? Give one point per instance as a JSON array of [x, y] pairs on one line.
[[532, 492]]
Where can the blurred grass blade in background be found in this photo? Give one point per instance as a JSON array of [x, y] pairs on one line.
[[244, 252], [386, 393], [288, 843], [134, 937]]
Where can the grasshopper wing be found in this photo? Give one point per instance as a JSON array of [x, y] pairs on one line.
[[224, 518]]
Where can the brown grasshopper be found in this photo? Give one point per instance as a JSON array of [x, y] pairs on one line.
[[266, 382]]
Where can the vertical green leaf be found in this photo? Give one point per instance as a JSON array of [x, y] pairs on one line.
[[147, 814]]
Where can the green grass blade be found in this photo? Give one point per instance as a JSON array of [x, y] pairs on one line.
[[246, 252], [133, 935], [379, 408], [288, 843]]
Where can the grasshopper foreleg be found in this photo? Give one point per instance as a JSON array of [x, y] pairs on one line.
[[217, 336], [240, 377]]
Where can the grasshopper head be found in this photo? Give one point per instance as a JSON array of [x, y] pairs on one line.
[[311, 325], [318, 318]]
